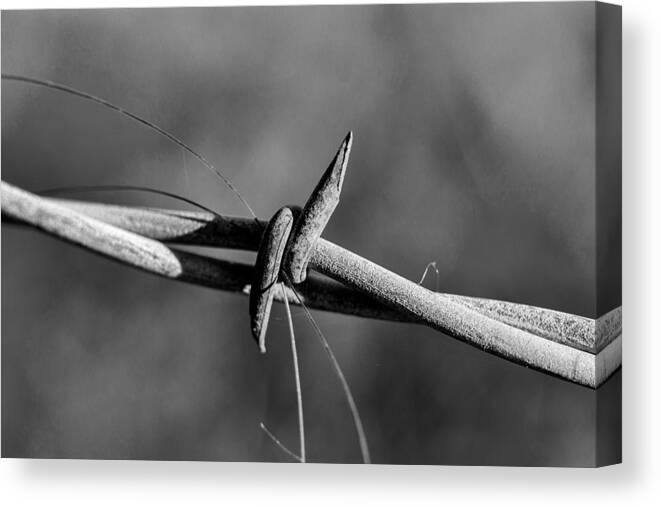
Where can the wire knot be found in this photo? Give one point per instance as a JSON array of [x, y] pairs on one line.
[[290, 239]]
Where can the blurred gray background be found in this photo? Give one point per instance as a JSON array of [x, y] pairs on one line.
[[474, 147]]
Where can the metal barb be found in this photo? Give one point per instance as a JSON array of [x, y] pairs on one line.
[[267, 271], [316, 213]]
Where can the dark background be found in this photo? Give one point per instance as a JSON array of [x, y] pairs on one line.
[[474, 147]]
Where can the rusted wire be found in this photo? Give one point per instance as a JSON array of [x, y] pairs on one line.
[[582, 350]]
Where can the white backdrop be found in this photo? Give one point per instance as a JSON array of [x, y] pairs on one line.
[[65, 482]]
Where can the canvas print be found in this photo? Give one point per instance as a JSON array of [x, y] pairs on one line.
[[382, 234]]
